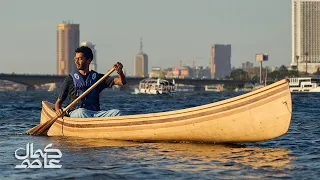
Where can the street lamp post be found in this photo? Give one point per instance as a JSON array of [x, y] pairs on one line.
[[306, 54], [297, 57], [260, 72], [261, 57]]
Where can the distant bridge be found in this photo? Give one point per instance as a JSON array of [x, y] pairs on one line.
[[30, 80]]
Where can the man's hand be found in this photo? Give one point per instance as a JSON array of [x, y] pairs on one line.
[[121, 80], [59, 112], [118, 67], [57, 107]]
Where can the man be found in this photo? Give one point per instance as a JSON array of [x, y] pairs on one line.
[[79, 81]]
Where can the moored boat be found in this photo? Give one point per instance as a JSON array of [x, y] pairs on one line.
[[155, 86], [259, 115], [305, 84]]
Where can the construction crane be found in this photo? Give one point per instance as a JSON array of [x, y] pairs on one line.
[[196, 59], [193, 63]]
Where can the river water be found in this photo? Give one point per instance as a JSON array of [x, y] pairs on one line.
[[295, 155]]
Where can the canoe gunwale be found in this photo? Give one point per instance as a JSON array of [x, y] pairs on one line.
[[187, 120]]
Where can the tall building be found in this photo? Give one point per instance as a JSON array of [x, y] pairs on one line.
[[68, 39], [247, 65], [306, 35], [186, 72], [202, 73], [220, 60], [93, 64], [141, 63]]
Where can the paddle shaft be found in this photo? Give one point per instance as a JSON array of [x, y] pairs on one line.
[[43, 127]]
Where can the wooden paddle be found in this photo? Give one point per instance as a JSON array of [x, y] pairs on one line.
[[42, 128]]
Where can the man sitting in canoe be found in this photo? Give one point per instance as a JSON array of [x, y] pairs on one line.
[[79, 81]]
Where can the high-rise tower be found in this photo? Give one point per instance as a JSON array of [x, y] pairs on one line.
[[220, 60], [141, 63], [68, 37], [306, 35]]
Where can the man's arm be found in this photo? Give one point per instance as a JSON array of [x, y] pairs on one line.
[[58, 108], [121, 79], [63, 95]]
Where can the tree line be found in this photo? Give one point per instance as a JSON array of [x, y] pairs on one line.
[[280, 73]]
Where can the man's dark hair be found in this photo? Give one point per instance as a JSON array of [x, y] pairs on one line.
[[87, 52]]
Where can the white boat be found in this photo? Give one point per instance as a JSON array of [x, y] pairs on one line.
[[305, 84], [155, 86]]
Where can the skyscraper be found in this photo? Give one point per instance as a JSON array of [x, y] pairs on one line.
[[220, 60], [93, 64], [141, 63], [68, 37], [306, 35]]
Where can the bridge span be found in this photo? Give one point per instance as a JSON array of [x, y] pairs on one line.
[[37, 79]]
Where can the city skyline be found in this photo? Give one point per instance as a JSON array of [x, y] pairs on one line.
[[184, 31]]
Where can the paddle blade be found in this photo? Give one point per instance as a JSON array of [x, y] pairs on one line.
[[34, 129], [41, 129]]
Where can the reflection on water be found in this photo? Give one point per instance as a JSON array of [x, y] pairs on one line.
[[80, 143], [207, 153], [187, 156]]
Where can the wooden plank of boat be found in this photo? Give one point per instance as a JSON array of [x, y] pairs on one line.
[[259, 115]]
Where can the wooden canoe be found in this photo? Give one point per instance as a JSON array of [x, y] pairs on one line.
[[259, 115]]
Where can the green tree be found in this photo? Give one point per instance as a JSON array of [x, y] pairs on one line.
[[239, 74], [255, 78], [293, 73], [274, 75], [283, 71]]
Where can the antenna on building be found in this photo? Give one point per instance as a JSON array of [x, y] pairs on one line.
[[141, 46]]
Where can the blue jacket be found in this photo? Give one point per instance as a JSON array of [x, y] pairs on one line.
[[91, 100]]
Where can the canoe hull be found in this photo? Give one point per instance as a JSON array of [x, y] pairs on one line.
[[260, 115]]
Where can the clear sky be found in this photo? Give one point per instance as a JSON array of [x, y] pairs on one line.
[[171, 30]]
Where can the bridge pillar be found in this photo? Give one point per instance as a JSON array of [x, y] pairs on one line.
[[30, 88], [198, 88]]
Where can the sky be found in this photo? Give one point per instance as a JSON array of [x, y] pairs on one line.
[[172, 30]]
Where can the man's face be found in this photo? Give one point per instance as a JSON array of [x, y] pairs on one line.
[[81, 62]]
